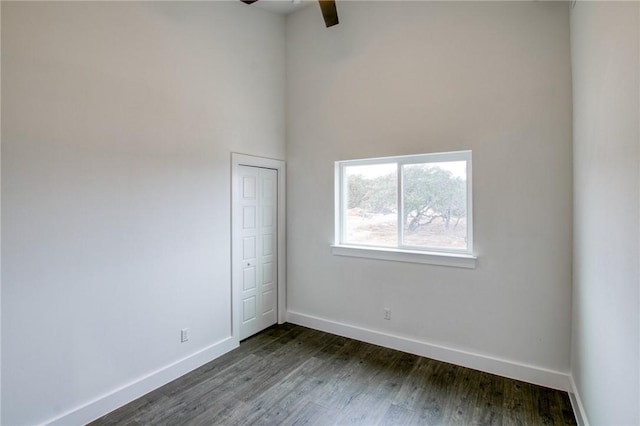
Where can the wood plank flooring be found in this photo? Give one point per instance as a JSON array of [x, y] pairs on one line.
[[291, 375]]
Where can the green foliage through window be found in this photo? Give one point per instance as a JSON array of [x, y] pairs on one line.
[[408, 203]]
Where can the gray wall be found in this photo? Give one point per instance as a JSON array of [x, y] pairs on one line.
[[400, 78], [118, 120], [605, 44]]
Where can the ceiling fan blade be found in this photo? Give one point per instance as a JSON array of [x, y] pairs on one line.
[[329, 12]]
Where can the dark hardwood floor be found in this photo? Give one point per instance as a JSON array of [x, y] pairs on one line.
[[294, 375]]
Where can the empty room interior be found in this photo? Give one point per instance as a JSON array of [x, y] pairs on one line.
[[132, 132]]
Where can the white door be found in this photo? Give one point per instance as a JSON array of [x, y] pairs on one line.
[[259, 239]]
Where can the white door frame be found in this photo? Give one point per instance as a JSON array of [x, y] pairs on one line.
[[238, 160]]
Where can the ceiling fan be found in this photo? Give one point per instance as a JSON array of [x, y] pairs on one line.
[[328, 8]]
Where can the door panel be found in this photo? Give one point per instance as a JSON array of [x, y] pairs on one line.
[[248, 278], [267, 244], [248, 248], [268, 302], [249, 305], [259, 203], [249, 217]]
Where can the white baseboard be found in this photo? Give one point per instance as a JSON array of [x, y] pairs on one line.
[[576, 403], [501, 367], [131, 391]]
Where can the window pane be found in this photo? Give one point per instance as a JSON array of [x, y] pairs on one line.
[[370, 206], [435, 205]]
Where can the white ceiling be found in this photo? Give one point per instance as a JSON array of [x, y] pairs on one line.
[[283, 7]]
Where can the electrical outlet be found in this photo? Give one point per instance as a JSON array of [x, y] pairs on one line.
[[184, 335], [387, 313]]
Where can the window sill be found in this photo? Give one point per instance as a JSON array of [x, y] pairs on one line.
[[410, 256]]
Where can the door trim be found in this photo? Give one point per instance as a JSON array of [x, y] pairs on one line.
[[238, 160]]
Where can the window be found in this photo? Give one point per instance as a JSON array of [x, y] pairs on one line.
[[413, 208]]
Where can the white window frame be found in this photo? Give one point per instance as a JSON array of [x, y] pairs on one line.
[[437, 256]]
